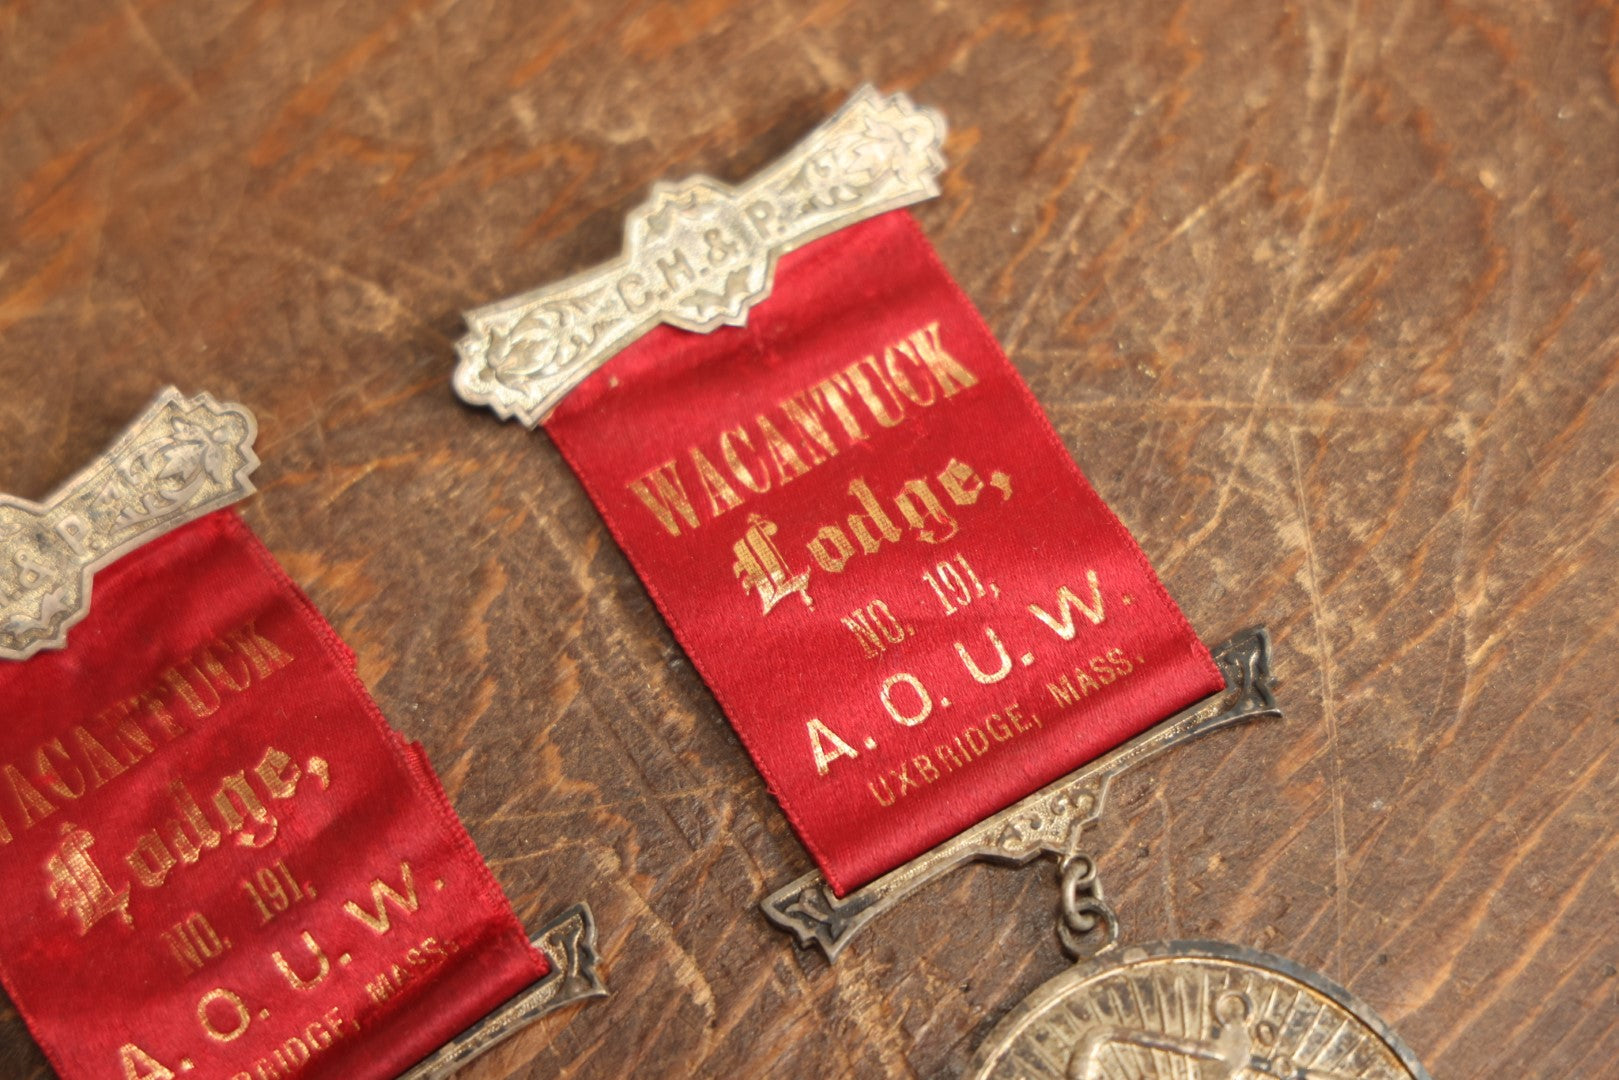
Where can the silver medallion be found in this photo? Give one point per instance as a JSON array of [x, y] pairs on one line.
[[1192, 1010]]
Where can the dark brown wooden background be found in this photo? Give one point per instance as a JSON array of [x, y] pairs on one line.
[[1323, 294]]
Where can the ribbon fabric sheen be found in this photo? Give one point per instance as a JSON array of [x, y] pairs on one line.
[[913, 607], [219, 859]]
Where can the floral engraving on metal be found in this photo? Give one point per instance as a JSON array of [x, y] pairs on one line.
[[699, 254], [1192, 1009], [1049, 822], [569, 943], [181, 459]]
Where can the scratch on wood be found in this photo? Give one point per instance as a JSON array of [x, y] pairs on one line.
[[1328, 707]]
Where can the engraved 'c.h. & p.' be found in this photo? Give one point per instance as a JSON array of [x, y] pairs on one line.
[[699, 254]]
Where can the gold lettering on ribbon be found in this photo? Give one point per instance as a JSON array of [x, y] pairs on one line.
[[193, 942], [804, 430], [323, 966], [1063, 624], [77, 885], [300, 1047], [762, 569], [416, 962], [876, 628], [241, 810], [139, 1065], [958, 753], [827, 746], [1072, 687], [383, 895], [1004, 660], [924, 701], [239, 1019], [667, 497], [132, 730]]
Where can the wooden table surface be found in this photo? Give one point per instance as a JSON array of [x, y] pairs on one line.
[[1323, 295]]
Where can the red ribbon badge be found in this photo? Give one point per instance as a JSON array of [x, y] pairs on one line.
[[219, 859], [911, 604]]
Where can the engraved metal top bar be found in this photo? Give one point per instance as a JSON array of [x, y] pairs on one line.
[[699, 253], [180, 459]]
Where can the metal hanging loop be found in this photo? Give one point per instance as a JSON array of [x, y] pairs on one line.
[[1088, 925]]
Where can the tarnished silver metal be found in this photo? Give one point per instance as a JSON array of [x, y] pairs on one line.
[[1175, 1009], [1203, 1009], [570, 944], [1084, 910], [1049, 822], [181, 459], [699, 254]]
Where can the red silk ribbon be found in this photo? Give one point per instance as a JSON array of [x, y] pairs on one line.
[[219, 859], [876, 551]]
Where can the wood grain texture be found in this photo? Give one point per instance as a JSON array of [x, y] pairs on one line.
[[1323, 294]]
